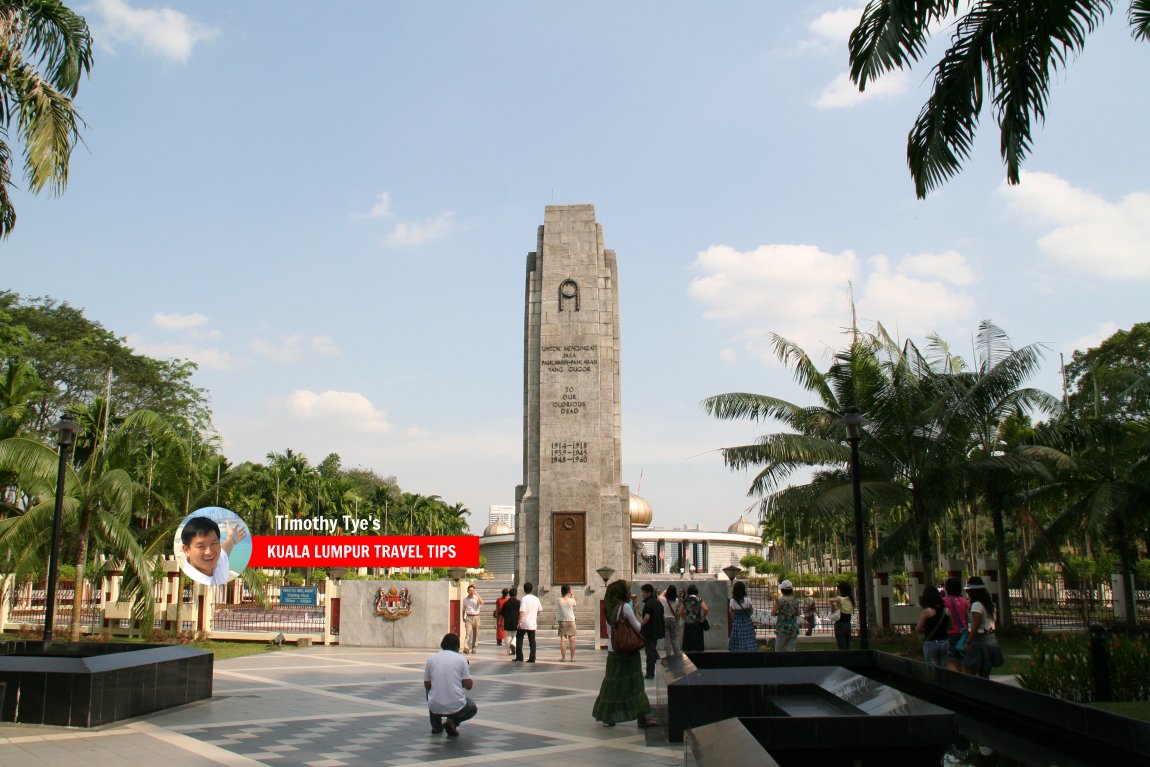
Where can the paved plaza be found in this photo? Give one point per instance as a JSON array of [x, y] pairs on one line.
[[350, 706]]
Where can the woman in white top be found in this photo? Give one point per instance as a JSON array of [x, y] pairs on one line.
[[982, 652], [565, 607]]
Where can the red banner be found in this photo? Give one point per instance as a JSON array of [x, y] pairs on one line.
[[364, 551]]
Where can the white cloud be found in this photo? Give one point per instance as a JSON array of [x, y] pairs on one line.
[[421, 232], [161, 31], [206, 357], [836, 26], [294, 348], [1087, 232], [348, 410], [804, 294], [841, 92], [894, 296], [381, 208], [179, 321], [950, 265]]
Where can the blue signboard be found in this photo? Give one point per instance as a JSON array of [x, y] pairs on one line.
[[303, 596]]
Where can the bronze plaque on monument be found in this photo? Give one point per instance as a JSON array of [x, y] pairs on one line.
[[570, 531]]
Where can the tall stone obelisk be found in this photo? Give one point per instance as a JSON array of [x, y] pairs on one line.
[[572, 511]]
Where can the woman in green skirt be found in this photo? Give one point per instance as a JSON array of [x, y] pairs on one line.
[[622, 696]]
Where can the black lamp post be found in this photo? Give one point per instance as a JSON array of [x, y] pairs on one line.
[[66, 429], [853, 421]]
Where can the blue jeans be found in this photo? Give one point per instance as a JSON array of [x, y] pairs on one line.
[[462, 715], [935, 651]]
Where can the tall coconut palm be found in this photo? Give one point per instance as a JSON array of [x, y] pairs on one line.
[[99, 496], [1010, 49], [45, 49]]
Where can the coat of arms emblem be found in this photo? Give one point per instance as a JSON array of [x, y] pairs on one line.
[[393, 603]]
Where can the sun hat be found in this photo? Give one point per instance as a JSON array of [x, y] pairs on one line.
[[786, 585], [974, 582]]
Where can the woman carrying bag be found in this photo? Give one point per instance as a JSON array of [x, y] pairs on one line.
[[622, 695]]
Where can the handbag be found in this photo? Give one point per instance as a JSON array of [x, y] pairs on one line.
[[624, 637], [835, 616], [706, 624], [963, 638]]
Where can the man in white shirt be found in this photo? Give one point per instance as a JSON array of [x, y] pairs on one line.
[[471, 605], [529, 609], [445, 677]]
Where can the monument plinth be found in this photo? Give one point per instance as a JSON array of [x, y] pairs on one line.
[[572, 510]]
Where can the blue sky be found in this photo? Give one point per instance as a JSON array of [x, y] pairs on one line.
[[329, 210]]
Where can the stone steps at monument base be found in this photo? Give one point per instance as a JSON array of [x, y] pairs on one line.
[[586, 609]]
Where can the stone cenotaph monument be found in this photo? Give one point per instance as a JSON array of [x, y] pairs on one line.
[[572, 511]]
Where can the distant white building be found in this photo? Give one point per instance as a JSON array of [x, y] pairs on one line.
[[679, 552], [503, 514]]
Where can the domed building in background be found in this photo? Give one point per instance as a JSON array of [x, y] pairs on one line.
[[684, 552]]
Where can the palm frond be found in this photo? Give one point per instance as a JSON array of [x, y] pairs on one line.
[[1140, 19]]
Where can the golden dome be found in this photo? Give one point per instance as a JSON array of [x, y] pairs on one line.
[[640, 511], [497, 528], [744, 526]]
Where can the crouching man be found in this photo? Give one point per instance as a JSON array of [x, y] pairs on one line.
[[445, 677]]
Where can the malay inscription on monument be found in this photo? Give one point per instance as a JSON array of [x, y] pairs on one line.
[[571, 413]]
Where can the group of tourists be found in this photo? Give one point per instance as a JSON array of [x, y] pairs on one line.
[[957, 625], [959, 631]]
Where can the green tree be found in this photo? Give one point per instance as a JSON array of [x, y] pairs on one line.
[[100, 490], [44, 51], [1010, 49]]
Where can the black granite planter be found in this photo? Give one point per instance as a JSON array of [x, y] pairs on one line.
[[90, 684], [1028, 727]]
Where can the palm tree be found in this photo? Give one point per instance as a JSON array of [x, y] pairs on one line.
[[44, 51], [1011, 49], [99, 494]]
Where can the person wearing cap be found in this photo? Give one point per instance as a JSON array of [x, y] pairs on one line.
[[786, 612], [982, 652]]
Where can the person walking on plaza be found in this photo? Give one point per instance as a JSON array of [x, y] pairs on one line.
[[653, 627], [844, 607], [500, 632], [510, 615], [786, 612], [446, 676], [622, 696], [471, 604], [932, 624], [809, 609], [958, 609], [565, 607], [529, 609], [672, 609], [739, 610], [695, 621]]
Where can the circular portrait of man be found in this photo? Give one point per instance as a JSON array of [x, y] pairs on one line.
[[212, 545]]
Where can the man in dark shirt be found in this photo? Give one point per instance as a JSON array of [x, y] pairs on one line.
[[510, 613], [653, 627]]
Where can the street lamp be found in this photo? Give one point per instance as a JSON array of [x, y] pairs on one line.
[[605, 573], [66, 429], [456, 574], [732, 571], [852, 420]]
